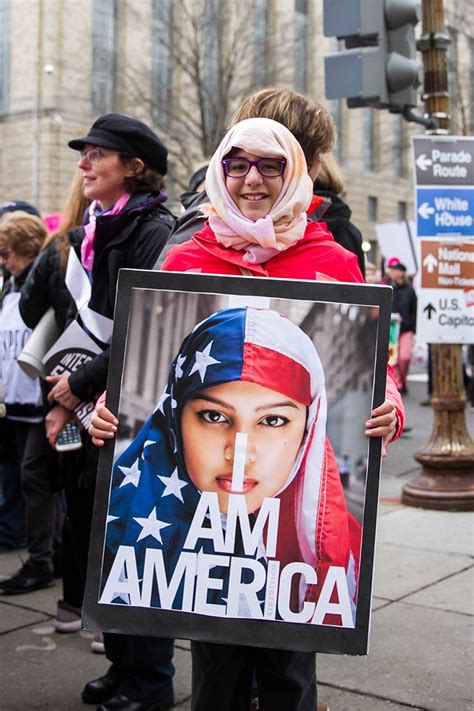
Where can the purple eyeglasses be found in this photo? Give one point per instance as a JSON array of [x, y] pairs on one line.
[[240, 167]]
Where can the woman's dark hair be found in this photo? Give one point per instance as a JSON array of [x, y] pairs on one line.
[[146, 180]]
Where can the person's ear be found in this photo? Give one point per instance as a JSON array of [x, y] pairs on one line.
[[315, 167], [134, 167]]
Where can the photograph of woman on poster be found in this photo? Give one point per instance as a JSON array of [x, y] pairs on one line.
[[229, 501]]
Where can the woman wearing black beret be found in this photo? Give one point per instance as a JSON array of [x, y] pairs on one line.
[[123, 163]]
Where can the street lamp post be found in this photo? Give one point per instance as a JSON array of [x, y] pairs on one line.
[[447, 477]]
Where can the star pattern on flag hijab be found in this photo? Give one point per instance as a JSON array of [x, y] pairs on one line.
[[203, 361], [151, 526], [163, 399], [173, 485], [180, 360], [132, 474]]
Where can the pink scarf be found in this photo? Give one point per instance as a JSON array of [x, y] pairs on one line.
[[87, 245], [285, 224]]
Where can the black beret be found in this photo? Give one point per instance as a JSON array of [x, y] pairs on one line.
[[126, 135], [14, 205]]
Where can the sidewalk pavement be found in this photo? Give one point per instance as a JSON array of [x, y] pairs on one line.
[[421, 638]]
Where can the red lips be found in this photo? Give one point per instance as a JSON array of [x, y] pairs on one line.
[[224, 482]]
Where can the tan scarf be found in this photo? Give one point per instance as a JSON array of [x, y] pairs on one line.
[[285, 224]]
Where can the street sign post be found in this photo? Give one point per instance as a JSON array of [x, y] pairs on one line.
[[441, 161], [446, 299], [444, 186]]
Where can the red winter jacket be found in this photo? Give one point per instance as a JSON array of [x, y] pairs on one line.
[[315, 256]]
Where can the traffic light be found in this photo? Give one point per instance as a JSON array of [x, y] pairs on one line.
[[379, 67]]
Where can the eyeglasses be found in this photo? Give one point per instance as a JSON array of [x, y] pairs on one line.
[[92, 155], [240, 167]]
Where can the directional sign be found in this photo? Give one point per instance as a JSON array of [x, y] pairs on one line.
[[444, 160], [445, 211], [446, 298], [444, 186]]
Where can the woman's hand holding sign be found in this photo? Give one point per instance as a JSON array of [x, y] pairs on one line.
[[103, 424], [383, 423]]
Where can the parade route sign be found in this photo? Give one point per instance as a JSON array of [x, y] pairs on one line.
[[444, 186], [446, 299]]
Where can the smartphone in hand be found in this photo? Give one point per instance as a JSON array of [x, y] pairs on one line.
[[69, 438]]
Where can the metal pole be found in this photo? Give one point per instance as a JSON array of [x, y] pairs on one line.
[[447, 477], [35, 117]]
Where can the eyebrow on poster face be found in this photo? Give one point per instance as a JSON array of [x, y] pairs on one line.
[[222, 403]]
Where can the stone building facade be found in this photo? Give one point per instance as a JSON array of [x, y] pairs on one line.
[[64, 62]]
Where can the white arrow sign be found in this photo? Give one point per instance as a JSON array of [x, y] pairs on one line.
[[425, 210], [430, 262], [423, 162]]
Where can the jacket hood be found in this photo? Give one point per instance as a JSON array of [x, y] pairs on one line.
[[337, 207], [193, 199]]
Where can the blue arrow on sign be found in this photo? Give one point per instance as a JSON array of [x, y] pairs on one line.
[[445, 211]]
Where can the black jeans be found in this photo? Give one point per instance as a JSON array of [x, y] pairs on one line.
[[12, 507], [38, 470], [144, 663], [223, 673]]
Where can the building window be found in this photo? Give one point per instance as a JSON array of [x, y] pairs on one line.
[[260, 38], [336, 107], [338, 116], [104, 50], [300, 54], [4, 54], [368, 139], [211, 73], [399, 164], [401, 211], [161, 59], [372, 208]]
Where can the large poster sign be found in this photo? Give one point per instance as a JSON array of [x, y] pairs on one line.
[[239, 499]]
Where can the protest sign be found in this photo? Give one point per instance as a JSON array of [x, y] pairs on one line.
[[220, 513], [73, 349]]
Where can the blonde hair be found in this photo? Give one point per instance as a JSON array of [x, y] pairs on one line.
[[309, 122], [330, 175], [71, 216], [22, 233]]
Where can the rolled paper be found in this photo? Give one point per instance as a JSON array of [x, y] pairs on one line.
[[38, 344]]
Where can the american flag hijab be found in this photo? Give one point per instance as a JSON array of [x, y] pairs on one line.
[[152, 498]]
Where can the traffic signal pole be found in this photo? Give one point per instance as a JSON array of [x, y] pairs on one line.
[[447, 478]]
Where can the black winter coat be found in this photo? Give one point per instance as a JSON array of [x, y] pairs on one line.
[[46, 287], [132, 239], [338, 219]]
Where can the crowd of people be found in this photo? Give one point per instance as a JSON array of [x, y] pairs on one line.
[[268, 204]]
